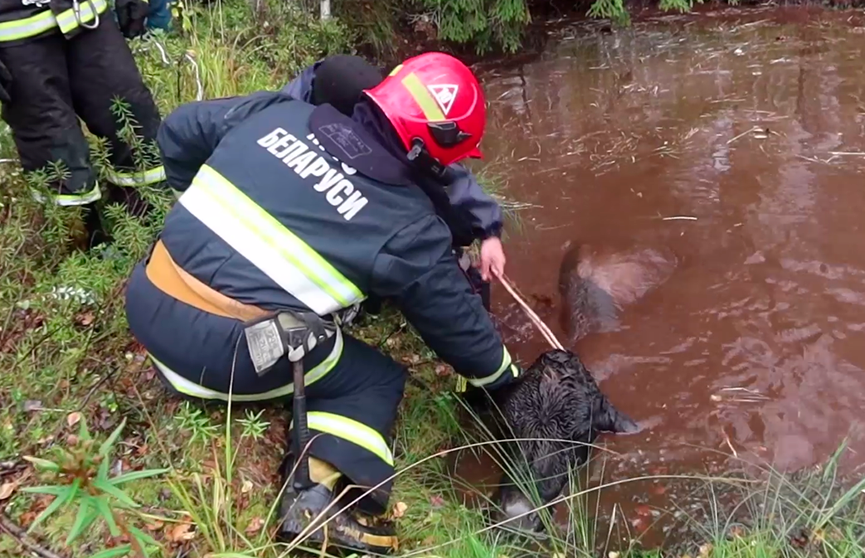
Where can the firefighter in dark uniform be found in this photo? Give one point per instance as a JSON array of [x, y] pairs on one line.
[[292, 214], [65, 59], [470, 213]]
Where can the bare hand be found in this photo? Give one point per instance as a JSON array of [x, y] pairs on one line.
[[492, 258]]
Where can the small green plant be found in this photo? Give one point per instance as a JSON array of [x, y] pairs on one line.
[[81, 475], [253, 425], [194, 421]]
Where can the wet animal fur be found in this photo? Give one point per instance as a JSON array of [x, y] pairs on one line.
[[555, 409]]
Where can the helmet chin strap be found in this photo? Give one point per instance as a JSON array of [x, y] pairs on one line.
[[420, 158]]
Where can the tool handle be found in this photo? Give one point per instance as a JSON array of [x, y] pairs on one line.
[[301, 428]]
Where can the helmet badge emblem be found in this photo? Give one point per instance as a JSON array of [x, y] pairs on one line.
[[444, 96]]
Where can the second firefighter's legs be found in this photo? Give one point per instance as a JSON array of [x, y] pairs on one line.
[[45, 128], [102, 71], [351, 412]]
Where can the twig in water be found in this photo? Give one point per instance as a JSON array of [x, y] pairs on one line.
[[850, 153], [729, 444], [745, 133], [679, 218], [20, 535]]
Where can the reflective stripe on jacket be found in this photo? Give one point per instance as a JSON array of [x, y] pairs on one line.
[[269, 218], [19, 22]]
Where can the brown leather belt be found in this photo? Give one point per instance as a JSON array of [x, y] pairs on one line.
[[169, 278]]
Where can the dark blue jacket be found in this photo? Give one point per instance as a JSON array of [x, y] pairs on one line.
[[271, 215], [467, 196]]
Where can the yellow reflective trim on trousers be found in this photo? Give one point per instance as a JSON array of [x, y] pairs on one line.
[[69, 200], [192, 389], [140, 178], [351, 430], [423, 98], [506, 362], [67, 21], [45, 21], [275, 234]]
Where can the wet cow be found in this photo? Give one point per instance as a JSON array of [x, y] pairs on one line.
[[557, 409], [554, 411]]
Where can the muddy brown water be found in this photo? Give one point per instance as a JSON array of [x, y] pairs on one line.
[[751, 124]]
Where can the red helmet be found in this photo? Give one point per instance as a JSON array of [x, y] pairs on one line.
[[434, 101]]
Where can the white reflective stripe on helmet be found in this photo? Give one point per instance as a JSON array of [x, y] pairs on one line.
[[192, 389], [152, 176], [506, 363], [267, 244], [350, 430]]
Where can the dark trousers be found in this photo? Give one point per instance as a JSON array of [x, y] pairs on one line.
[[352, 390], [54, 82]]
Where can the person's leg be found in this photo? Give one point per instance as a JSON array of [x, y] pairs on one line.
[[102, 71], [45, 129], [351, 413]]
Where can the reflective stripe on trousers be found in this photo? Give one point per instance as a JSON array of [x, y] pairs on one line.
[[70, 200], [137, 178], [190, 388], [352, 431], [268, 244], [45, 21]]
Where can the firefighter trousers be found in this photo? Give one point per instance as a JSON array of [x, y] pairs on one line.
[[54, 82], [352, 390]]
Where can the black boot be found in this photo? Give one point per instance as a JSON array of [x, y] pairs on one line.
[[315, 513]]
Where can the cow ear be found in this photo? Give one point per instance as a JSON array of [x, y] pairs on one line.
[[609, 419]]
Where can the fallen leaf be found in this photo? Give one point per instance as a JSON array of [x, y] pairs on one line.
[[181, 532], [32, 405], [254, 526], [246, 487], [73, 418], [86, 318], [659, 489], [706, 550], [436, 501], [7, 489], [613, 554], [442, 370], [399, 509], [155, 526], [429, 541]]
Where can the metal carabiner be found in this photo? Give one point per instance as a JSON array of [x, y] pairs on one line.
[[76, 9]]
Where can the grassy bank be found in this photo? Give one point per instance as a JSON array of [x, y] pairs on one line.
[[179, 479]]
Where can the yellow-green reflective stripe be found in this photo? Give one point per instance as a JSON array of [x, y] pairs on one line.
[[69, 200], [352, 431], [395, 71], [506, 362], [29, 27], [427, 104], [41, 22], [67, 21], [209, 188], [152, 176], [192, 389]]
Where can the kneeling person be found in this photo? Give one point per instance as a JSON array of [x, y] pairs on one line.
[[298, 213]]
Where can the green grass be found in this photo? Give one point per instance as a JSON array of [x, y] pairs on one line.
[[67, 358]]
